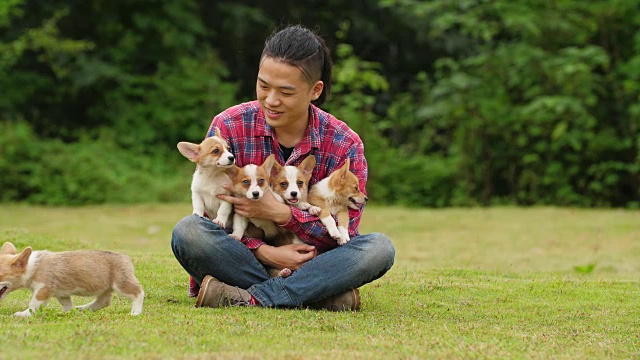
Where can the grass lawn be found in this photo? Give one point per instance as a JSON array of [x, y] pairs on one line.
[[467, 283]]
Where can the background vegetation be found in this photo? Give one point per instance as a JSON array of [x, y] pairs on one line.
[[474, 102]]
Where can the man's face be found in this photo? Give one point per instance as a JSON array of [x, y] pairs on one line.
[[284, 93]]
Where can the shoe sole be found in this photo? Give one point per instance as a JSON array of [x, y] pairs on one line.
[[356, 294], [203, 290]]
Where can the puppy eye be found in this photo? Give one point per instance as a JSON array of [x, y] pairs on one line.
[[216, 151], [246, 182], [300, 183], [355, 188], [260, 182], [283, 184]]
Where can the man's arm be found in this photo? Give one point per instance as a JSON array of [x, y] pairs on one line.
[[291, 256]]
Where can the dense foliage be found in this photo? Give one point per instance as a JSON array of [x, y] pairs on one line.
[[465, 102]]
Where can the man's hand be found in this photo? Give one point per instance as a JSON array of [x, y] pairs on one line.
[[291, 256], [266, 207]]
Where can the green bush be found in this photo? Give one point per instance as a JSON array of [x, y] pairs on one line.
[[458, 102], [86, 172], [18, 150], [426, 181]]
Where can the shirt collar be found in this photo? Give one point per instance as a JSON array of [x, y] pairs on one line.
[[311, 137], [314, 125]]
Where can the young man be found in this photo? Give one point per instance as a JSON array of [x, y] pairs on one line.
[[294, 78]]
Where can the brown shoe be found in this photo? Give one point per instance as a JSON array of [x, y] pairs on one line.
[[347, 301], [214, 293]]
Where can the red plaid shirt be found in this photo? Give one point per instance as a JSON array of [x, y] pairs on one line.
[[330, 140]]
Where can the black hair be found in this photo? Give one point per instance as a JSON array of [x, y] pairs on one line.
[[304, 49]]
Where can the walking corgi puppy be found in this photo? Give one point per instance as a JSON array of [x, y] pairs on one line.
[[251, 181], [60, 275], [290, 185], [335, 194], [212, 157]]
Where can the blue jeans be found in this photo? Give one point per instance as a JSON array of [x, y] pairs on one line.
[[203, 248]]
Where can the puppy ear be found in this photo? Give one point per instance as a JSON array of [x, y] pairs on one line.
[[22, 259], [232, 171], [189, 150], [307, 165], [218, 132], [276, 169], [344, 169], [268, 163], [8, 248]]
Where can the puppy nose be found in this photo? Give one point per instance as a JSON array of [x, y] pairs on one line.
[[255, 194], [294, 193], [231, 158], [366, 198]]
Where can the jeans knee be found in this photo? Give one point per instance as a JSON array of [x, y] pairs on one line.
[[379, 250], [385, 248], [183, 231], [191, 233]]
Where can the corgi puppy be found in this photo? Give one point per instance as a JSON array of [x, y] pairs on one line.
[[212, 157], [335, 194], [60, 275], [290, 185], [251, 181]]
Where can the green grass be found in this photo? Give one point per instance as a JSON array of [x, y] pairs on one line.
[[467, 283]]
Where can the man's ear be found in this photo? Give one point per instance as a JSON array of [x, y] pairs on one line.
[[316, 90]]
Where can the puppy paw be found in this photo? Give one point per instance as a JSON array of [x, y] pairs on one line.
[[285, 273], [219, 222], [343, 241], [25, 313], [315, 210], [136, 312], [334, 233], [344, 236]]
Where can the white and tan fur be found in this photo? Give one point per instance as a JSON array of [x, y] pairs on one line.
[[63, 274], [212, 157], [290, 185], [335, 194], [251, 181]]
